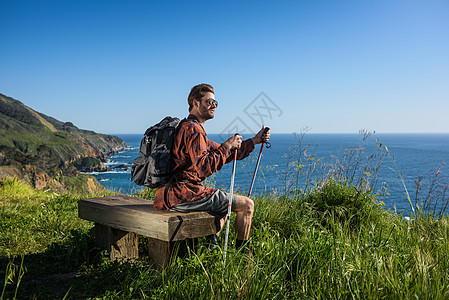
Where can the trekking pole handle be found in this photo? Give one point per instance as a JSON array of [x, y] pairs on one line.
[[268, 145]]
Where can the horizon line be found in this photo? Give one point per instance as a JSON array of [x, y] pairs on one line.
[[373, 133]]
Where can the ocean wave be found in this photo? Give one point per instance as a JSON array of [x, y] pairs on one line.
[[107, 172], [125, 149], [104, 179]]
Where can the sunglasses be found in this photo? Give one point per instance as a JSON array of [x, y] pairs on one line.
[[211, 101]]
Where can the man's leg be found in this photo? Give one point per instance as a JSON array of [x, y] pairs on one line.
[[244, 209]]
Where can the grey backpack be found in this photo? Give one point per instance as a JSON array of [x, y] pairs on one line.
[[152, 167]]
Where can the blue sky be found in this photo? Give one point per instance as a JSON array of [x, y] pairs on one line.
[[331, 66]]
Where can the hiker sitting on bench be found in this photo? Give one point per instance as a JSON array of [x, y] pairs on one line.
[[191, 146]]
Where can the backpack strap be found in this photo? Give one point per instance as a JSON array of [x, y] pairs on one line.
[[178, 170]]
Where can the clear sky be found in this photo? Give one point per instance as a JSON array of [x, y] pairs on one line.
[[331, 66]]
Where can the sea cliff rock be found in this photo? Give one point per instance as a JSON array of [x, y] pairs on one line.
[[90, 164], [121, 167], [43, 150]]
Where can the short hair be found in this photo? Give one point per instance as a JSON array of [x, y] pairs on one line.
[[198, 92]]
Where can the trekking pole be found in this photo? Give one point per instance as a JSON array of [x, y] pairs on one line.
[[229, 205], [258, 161]]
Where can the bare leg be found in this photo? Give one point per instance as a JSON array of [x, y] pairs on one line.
[[222, 222], [244, 209]]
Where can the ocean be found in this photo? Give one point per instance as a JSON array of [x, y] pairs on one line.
[[411, 157]]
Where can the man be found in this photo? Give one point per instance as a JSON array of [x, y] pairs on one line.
[[197, 157]]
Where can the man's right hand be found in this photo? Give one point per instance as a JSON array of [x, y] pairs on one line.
[[233, 142]]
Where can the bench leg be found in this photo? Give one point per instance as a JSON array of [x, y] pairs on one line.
[[119, 244], [159, 252]]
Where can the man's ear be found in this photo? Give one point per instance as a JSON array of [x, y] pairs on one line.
[[196, 102]]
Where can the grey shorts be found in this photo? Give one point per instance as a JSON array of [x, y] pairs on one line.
[[217, 203]]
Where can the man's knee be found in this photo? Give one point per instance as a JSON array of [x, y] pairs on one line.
[[250, 204], [244, 204]]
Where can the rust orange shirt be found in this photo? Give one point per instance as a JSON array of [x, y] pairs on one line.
[[207, 157]]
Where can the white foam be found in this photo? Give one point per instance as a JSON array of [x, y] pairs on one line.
[[107, 172]]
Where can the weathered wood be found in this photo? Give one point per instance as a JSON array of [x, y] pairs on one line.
[[138, 215], [159, 252], [120, 219], [120, 244]]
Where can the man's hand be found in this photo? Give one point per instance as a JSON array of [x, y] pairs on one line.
[[262, 136], [233, 142]]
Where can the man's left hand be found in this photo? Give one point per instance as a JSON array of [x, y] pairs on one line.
[[261, 136]]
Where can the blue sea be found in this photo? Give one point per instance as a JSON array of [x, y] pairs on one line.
[[406, 158]]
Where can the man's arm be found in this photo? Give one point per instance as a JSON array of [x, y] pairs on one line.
[[245, 149], [205, 160]]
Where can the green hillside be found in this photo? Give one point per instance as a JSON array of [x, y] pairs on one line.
[[332, 242], [33, 143]]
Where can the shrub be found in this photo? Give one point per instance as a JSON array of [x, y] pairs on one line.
[[342, 203]]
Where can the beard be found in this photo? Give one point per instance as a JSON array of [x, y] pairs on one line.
[[207, 113]]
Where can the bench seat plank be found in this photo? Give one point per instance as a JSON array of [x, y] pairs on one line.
[[137, 215]]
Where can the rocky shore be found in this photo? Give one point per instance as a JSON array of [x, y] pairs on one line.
[[47, 153]]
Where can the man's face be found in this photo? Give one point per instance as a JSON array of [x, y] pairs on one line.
[[205, 109]]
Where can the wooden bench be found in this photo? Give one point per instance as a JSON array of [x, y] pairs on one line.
[[119, 220]]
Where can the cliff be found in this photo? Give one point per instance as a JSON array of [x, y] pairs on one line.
[[40, 149]]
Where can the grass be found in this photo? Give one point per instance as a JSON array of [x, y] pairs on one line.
[[32, 220], [329, 239]]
